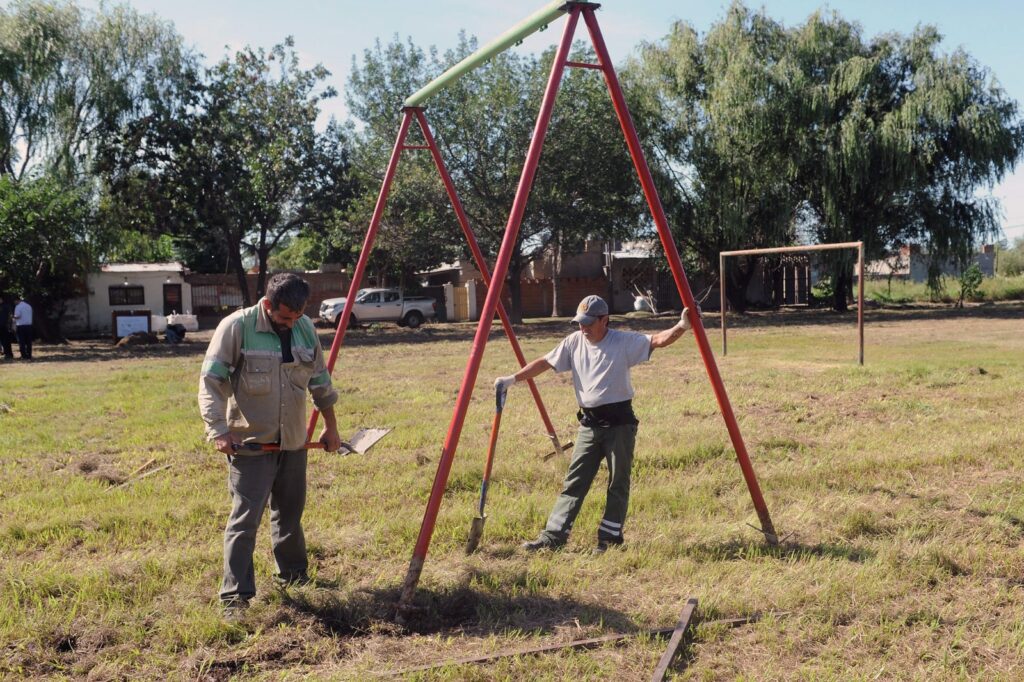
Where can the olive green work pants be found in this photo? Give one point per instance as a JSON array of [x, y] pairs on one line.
[[613, 444]]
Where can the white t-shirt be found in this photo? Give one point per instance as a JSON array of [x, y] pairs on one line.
[[600, 371], [22, 314]]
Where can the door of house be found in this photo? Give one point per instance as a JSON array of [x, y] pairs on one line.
[[172, 299]]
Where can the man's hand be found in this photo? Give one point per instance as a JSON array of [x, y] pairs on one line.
[[331, 439], [227, 443], [684, 319], [502, 384]]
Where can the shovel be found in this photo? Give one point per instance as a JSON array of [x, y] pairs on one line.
[[559, 448], [476, 530], [360, 442]]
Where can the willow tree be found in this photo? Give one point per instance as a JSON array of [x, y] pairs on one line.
[[766, 134], [715, 114], [70, 77], [901, 142]]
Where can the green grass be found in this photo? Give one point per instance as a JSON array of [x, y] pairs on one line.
[[898, 487], [999, 288]]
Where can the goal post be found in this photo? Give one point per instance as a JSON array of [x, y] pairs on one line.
[[797, 249]]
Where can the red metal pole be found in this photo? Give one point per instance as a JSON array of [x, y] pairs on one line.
[[487, 315], [481, 264], [721, 297], [364, 256], [860, 298], [658, 212]]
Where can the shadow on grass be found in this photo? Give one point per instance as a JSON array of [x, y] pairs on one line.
[[740, 550], [103, 350], [461, 609]]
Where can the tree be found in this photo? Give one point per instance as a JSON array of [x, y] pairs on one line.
[[762, 135], [585, 185], [69, 78], [239, 157], [900, 140], [714, 118], [46, 243]]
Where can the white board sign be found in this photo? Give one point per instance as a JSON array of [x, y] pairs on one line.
[[129, 324]]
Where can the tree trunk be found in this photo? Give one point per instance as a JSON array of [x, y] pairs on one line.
[[738, 281], [556, 266], [261, 277], [842, 280], [515, 290], [236, 265], [43, 327]]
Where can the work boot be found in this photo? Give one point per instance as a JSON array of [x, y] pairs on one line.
[[233, 610], [543, 542], [292, 579], [604, 543]]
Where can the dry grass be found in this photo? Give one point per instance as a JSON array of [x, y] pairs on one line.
[[897, 484]]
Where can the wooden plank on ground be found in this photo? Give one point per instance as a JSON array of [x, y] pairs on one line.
[[675, 640], [578, 644]]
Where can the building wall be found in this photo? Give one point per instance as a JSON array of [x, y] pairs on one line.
[[217, 295], [99, 284], [537, 295], [919, 266]]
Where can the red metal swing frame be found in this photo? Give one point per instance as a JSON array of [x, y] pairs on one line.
[[492, 302]]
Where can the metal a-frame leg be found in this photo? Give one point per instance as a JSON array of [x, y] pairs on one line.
[[676, 265], [487, 315], [371, 234], [481, 264]]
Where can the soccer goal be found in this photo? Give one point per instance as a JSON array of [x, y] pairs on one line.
[[798, 249]]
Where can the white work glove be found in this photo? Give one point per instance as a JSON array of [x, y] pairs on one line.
[[502, 384], [684, 319]]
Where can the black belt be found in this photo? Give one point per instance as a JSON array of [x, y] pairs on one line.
[[612, 414]]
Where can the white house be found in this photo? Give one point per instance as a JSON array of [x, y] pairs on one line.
[[158, 288]]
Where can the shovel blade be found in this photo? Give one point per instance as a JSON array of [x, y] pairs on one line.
[[476, 531], [555, 452], [364, 439]]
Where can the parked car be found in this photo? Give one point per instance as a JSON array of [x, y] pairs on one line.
[[382, 305]]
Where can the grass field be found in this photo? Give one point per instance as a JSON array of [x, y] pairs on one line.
[[897, 487]]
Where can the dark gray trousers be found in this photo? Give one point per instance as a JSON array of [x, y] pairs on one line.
[[613, 444], [24, 334], [253, 480]]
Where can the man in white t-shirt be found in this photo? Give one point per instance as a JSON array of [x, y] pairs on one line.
[[23, 327], [600, 360]]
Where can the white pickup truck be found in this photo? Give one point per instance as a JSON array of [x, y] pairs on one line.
[[381, 305]]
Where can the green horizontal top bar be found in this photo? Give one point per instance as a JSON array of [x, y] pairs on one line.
[[524, 28]]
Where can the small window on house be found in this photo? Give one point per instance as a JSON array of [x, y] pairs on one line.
[[127, 295]]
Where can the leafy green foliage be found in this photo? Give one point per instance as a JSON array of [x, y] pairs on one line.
[[970, 283], [69, 78], [235, 160], [1010, 262], [764, 135], [46, 240]]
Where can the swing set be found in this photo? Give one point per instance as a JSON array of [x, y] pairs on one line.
[[413, 110]]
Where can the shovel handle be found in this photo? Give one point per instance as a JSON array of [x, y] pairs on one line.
[[275, 447]]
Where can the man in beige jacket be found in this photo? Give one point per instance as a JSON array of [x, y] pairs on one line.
[[252, 392]]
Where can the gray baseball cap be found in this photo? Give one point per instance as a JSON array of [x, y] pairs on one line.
[[589, 309]]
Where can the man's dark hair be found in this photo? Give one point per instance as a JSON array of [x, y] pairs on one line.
[[286, 288]]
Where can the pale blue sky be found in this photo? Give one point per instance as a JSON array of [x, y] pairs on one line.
[[332, 32]]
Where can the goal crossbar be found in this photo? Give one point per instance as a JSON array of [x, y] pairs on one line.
[[797, 249]]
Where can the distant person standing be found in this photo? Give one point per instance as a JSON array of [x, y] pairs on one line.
[[23, 327], [6, 326]]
